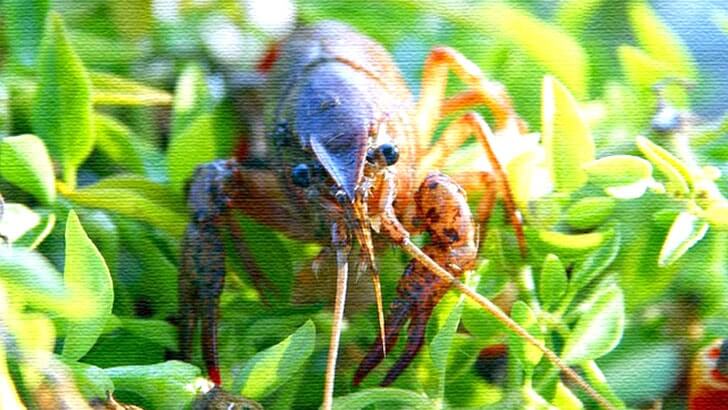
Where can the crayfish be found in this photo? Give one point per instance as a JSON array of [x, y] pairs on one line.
[[347, 158]]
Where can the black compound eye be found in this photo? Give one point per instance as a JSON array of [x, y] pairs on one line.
[[301, 175], [372, 156], [390, 152]]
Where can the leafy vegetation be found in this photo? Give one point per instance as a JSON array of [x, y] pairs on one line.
[[107, 107]]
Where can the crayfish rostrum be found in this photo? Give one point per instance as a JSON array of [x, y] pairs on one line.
[[347, 158]]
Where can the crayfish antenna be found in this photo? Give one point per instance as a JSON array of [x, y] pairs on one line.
[[380, 309], [340, 243]]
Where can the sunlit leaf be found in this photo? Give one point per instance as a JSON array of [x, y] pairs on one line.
[[271, 368], [564, 57], [566, 137], [87, 278], [599, 329], [62, 113], [167, 385], [526, 353], [576, 14], [553, 282], [110, 89], [662, 44], [193, 146], [618, 170], [383, 396], [590, 212], [565, 399], [685, 232], [17, 219], [191, 99], [572, 243], [26, 164], [136, 198], [717, 215], [674, 170]]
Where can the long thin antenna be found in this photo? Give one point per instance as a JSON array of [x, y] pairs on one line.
[[342, 277]]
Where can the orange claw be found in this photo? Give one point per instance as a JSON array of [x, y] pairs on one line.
[[443, 208]]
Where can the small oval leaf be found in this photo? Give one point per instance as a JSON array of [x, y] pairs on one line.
[[674, 170], [590, 212], [366, 398], [526, 353], [87, 278], [553, 282], [25, 163], [686, 231], [271, 368], [618, 170], [572, 243], [598, 330], [167, 385]]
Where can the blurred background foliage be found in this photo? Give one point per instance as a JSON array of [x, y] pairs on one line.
[[106, 108]]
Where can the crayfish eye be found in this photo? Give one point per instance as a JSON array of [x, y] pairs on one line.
[[390, 152], [301, 175], [722, 363]]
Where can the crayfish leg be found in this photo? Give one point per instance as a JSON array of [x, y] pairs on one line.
[[399, 312], [203, 269]]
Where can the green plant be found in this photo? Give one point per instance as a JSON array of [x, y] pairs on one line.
[[627, 250]]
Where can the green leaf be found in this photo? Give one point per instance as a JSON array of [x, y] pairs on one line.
[[553, 282], [590, 212], [91, 381], [137, 198], [618, 170], [566, 137], [599, 329], [717, 215], [88, 279], [677, 174], [572, 244], [193, 146], [659, 41], [383, 396], [62, 113], [110, 89], [160, 332], [271, 368], [642, 70], [117, 141], [167, 385], [530, 34], [32, 280], [24, 162], [685, 232], [526, 353], [191, 99], [596, 262], [23, 27]]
